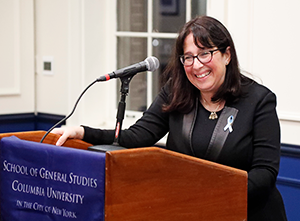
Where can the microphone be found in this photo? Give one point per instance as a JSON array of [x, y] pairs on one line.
[[149, 64]]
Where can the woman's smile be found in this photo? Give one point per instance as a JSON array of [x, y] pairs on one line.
[[203, 75]]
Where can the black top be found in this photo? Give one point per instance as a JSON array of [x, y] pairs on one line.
[[253, 145], [203, 130]]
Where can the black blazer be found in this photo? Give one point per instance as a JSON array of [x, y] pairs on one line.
[[253, 145]]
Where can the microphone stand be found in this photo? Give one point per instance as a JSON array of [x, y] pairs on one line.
[[121, 108], [120, 117]]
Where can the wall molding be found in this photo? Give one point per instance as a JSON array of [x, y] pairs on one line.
[[290, 150], [288, 116], [28, 122], [286, 181], [13, 85]]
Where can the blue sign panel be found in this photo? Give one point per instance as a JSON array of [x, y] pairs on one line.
[[46, 182]]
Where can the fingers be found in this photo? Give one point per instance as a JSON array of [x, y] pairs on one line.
[[63, 133], [67, 133], [61, 140], [58, 131]]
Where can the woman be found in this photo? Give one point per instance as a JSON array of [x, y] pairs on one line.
[[211, 111]]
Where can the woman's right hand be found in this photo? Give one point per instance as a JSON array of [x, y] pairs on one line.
[[68, 133]]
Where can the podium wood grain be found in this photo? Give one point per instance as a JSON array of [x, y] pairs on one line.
[[157, 184], [50, 139]]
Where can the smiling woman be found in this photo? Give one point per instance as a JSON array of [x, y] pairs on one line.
[[215, 73], [210, 111], [206, 75]]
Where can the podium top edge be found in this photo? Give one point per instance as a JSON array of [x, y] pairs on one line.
[[134, 152]]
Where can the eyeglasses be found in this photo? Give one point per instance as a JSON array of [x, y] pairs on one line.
[[204, 57]]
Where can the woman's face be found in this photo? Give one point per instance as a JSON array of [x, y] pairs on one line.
[[206, 77]]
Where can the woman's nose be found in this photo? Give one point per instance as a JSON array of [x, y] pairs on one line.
[[197, 63]]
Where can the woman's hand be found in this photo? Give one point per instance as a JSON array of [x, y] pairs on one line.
[[67, 133]]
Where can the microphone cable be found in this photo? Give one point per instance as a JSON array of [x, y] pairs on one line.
[[67, 117], [150, 64]]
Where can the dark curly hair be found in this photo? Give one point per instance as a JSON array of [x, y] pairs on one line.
[[210, 33]]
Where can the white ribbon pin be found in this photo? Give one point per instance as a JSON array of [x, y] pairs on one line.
[[229, 123]]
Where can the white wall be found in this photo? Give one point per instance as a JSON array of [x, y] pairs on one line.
[[79, 34], [16, 57], [266, 35]]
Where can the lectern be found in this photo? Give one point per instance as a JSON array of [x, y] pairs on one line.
[[50, 139], [156, 184]]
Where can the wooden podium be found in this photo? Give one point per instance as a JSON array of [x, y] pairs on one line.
[[157, 184], [50, 139]]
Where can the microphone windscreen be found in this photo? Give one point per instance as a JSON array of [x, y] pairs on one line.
[[153, 63]]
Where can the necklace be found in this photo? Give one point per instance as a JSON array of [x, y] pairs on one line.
[[213, 114]]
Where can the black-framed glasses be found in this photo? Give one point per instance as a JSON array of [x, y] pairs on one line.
[[204, 57]]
